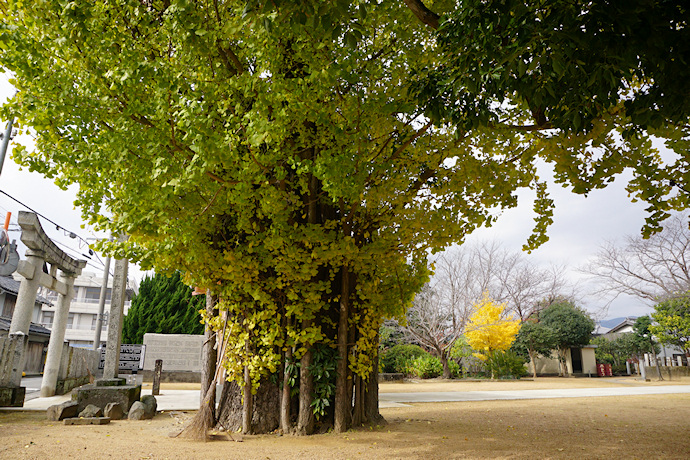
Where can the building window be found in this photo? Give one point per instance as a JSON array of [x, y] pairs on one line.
[[70, 321], [93, 294], [104, 323], [47, 320]]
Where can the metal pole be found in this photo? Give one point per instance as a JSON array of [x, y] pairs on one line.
[[5, 143], [101, 305]]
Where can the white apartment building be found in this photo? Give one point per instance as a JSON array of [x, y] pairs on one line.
[[83, 311]]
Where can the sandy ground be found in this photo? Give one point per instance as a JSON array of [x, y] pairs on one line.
[[640, 427]]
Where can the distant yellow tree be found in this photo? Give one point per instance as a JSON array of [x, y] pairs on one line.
[[487, 331]]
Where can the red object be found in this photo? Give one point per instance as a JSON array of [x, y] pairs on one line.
[[7, 220], [601, 370], [608, 370]]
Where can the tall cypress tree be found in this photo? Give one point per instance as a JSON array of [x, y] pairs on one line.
[[164, 305]]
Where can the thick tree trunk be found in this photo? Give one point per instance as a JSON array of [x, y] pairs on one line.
[[209, 357], [343, 400], [247, 403], [285, 400], [371, 397], [305, 420], [444, 361], [358, 410], [266, 413]]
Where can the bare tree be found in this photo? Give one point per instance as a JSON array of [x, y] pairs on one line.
[[431, 323], [463, 275], [646, 268]]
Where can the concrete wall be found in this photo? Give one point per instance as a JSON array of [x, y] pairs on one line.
[[669, 373], [546, 365]]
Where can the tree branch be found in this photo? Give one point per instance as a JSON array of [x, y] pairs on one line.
[[423, 13]]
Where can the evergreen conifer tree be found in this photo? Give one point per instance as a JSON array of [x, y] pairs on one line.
[[164, 305]]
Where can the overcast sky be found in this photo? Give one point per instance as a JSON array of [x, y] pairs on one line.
[[580, 226]]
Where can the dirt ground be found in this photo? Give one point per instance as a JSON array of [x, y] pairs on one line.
[[639, 427]]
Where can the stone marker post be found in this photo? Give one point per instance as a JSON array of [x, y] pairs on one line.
[[57, 337], [21, 318], [117, 306], [157, 377]]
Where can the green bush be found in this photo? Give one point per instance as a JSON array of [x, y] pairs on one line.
[[396, 358], [505, 364], [455, 370], [424, 367]]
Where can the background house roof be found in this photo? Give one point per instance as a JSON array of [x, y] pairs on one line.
[[34, 329], [10, 285]]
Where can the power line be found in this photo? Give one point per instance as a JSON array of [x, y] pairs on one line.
[[71, 234]]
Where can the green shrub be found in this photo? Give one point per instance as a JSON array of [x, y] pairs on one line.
[[424, 367], [395, 358], [455, 370], [505, 364]]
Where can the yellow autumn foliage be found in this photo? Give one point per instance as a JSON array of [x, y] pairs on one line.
[[487, 330]]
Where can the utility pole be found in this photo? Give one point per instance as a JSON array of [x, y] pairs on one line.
[[5, 142], [101, 305]]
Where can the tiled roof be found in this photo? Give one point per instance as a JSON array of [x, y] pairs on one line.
[[9, 284], [34, 329]]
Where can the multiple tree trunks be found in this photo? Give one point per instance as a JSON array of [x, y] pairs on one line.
[[268, 404]]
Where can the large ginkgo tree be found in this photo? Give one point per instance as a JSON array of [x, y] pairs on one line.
[[294, 159]]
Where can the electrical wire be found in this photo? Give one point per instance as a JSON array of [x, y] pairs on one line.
[[89, 262], [71, 234]]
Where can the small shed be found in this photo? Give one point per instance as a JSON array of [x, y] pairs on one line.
[[578, 360]]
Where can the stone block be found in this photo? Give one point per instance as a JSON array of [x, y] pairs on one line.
[[137, 411], [100, 396], [87, 421], [65, 386], [67, 409], [91, 411], [150, 405], [110, 382], [390, 377], [12, 396], [114, 411]]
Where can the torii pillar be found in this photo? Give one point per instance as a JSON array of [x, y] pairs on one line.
[[40, 249], [57, 337]]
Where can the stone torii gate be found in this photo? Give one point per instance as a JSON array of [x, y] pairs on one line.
[[40, 249]]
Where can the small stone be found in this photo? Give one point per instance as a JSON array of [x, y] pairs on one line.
[[91, 411], [151, 405], [114, 411], [62, 411], [137, 411]]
